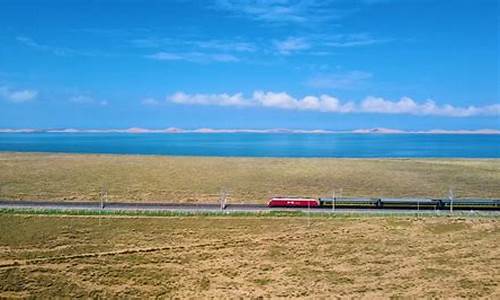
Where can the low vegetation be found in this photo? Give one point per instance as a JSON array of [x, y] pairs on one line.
[[248, 257], [200, 179]]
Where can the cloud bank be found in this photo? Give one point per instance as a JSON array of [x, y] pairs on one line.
[[327, 103]]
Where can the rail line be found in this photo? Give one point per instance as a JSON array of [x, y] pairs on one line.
[[340, 205]]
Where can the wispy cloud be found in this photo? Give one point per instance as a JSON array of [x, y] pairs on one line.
[[347, 80], [322, 44], [291, 44], [230, 45], [196, 57], [301, 12], [233, 49], [327, 103], [353, 40], [17, 96], [236, 46], [283, 11], [59, 51], [225, 48]]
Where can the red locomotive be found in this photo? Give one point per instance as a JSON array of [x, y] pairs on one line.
[[292, 202]]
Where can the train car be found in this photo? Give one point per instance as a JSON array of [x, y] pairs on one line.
[[292, 202], [349, 202], [413, 203], [471, 204]]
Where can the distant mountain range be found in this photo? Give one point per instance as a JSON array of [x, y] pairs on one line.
[[274, 130]]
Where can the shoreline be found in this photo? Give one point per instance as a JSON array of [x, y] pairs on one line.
[[399, 158]]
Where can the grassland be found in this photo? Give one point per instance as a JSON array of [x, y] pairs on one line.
[[220, 257], [200, 179]]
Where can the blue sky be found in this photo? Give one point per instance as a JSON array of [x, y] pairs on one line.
[[250, 64]]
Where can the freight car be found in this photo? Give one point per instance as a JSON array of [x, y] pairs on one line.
[[292, 202]]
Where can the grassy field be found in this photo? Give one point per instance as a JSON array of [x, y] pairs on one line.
[[214, 257], [200, 179]]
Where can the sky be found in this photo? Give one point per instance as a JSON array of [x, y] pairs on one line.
[[298, 64]]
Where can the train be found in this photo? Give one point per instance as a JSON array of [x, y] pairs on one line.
[[293, 202], [394, 203]]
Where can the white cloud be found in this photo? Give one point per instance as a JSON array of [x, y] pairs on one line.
[[278, 100], [327, 103], [209, 99], [197, 57], [291, 44], [407, 105], [332, 104], [281, 100], [323, 103], [339, 80], [379, 105], [17, 96]]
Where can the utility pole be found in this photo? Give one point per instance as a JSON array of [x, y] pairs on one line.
[[333, 201], [103, 197], [223, 199]]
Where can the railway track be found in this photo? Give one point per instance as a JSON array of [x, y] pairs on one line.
[[346, 205]]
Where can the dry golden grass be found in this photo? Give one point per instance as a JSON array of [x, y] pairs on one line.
[[233, 257], [178, 179]]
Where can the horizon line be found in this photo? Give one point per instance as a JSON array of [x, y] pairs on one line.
[[174, 130]]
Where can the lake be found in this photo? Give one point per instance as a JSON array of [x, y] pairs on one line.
[[260, 144]]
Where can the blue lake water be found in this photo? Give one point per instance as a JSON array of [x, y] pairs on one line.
[[259, 144]]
